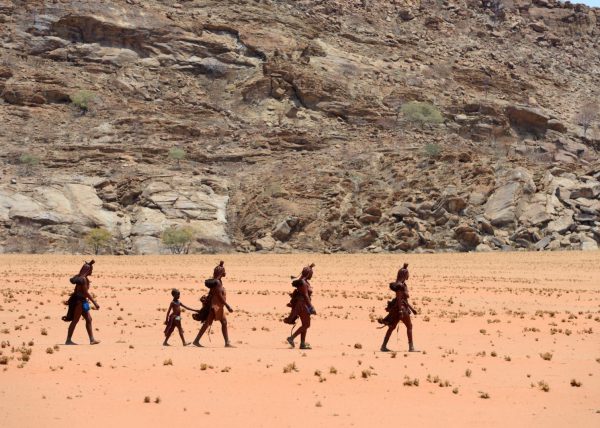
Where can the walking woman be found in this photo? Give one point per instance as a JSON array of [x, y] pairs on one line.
[[79, 305], [216, 302], [302, 306], [399, 310]]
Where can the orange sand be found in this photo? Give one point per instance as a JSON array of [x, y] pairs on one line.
[[479, 312]]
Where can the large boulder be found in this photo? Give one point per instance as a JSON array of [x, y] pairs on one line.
[[538, 211], [588, 244], [467, 237], [527, 118], [266, 243], [283, 230], [359, 239], [146, 245], [501, 207], [562, 224]]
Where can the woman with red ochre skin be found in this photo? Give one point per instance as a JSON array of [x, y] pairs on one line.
[[303, 307], [78, 304], [400, 310], [218, 301]]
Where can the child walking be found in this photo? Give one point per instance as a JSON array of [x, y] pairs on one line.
[[174, 318]]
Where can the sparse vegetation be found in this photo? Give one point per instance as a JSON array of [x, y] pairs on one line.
[[422, 113], [178, 239], [575, 383], [433, 150], [410, 382], [588, 114], [82, 100], [546, 356], [543, 386], [29, 161], [97, 239], [291, 367], [177, 154]]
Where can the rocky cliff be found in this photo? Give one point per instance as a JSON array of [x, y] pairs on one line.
[[290, 115]]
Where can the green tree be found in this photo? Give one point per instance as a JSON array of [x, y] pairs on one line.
[[422, 113], [177, 154], [82, 100], [28, 160], [178, 239], [97, 239]]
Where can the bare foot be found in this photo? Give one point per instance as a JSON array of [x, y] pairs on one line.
[[70, 342], [229, 345], [384, 349], [290, 340], [94, 342], [197, 344], [166, 344], [186, 343]]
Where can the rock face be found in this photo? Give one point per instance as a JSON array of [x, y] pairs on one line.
[[293, 128], [501, 207], [77, 207]]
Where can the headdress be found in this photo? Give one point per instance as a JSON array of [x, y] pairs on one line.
[[219, 271]]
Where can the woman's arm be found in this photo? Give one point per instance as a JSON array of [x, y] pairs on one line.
[[89, 296], [188, 308], [223, 296], [304, 291]]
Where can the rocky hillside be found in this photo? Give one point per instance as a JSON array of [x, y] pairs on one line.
[[291, 118]]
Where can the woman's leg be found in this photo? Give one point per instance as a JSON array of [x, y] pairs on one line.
[[76, 315], [89, 328], [408, 323], [225, 333], [305, 318], [207, 323], [388, 334]]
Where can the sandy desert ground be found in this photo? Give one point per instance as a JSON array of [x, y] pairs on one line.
[[508, 340]]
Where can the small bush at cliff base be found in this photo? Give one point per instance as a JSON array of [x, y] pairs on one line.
[[97, 239], [178, 239]]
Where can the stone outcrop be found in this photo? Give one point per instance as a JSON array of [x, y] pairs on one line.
[[289, 123]]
